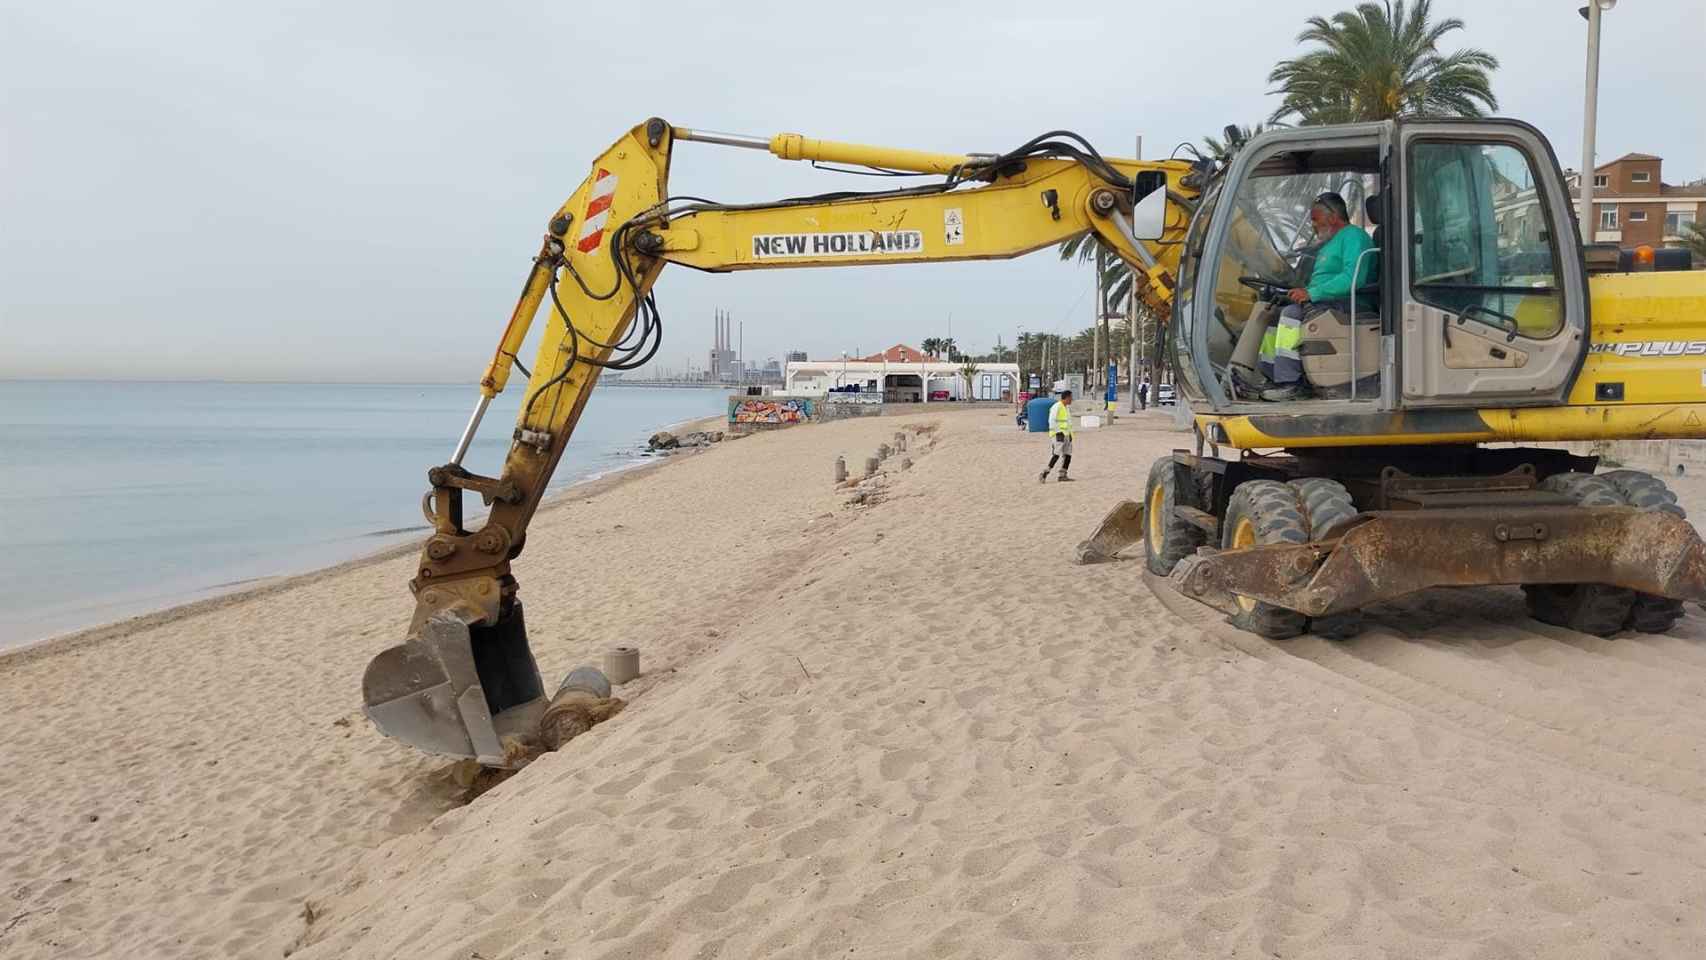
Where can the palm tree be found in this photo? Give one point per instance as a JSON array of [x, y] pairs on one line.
[[968, 371], [932, 346], [1115, 273], [1379, 62], [1236, 137], [1694, 238], [948, 346]]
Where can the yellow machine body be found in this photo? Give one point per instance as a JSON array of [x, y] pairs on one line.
[[464, 682]]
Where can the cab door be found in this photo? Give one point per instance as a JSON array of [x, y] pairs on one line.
[[1493, 296]]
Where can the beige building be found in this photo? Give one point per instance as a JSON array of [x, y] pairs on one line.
[[901, 374], [1633, 205]]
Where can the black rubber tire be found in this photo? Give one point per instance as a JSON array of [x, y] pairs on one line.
[[1166, 538], [1651, 613], [1277, 517], [1596, 608], [1327, 506]]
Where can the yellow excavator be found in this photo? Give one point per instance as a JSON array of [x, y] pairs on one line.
[[1484, 322]]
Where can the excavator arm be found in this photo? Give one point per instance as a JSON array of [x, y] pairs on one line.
[[465, 683]]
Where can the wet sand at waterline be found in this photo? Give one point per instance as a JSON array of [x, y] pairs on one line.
[[907, 727]]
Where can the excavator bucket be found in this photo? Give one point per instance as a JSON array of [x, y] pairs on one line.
[[458, 689], [1122, 527]]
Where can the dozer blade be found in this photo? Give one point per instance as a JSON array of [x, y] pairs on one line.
[[1385, 555], [458, 689]]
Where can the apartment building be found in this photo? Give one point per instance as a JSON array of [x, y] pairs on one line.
[[1633, 205]]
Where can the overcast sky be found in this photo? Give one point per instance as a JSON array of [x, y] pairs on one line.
[[352, 190]]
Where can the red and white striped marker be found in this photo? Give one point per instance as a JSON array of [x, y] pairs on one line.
[[597, 210]]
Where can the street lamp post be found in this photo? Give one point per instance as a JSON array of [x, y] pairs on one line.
[[1590, 111]]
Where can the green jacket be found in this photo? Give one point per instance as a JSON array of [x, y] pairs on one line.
[[1331, 278]]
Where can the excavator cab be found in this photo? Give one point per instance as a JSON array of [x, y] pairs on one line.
[[1476, 291], [1472, 327]]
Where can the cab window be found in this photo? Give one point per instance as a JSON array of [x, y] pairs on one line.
[[1270, 238], [1481, 243], [1183, 327]]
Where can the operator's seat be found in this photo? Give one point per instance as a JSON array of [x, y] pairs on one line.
[[1326, 347]]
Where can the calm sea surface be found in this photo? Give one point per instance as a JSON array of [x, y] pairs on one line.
[[119, 498]]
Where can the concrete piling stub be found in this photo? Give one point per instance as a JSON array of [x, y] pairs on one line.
[[871, 466], [883, 451], [900, 442], [621, 664], [840, 469]]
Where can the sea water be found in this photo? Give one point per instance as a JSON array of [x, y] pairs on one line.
[[117, 498]]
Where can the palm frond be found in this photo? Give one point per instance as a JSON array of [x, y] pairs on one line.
[[1380, 61]]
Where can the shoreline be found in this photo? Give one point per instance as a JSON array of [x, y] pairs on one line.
[[225, 595]]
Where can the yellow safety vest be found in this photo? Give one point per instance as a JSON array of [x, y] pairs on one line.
[[1060, 419]]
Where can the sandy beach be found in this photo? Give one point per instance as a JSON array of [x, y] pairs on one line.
[[904, 727]]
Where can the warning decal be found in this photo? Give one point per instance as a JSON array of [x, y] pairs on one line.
[[771, 246], [953, 227], [597, 210]]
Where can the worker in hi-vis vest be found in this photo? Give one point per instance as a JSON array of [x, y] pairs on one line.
[[1060, 426]]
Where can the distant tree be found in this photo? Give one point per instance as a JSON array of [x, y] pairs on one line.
[[1235, 140], [969, 370], [932, 346], [949, 347], [1379, 62], [1028, 353], [1116, 273], [1694, 238]]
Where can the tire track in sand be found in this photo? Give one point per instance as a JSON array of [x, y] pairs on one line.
[[1485, 698]]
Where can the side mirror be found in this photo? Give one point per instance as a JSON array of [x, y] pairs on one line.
[[1149, 205]]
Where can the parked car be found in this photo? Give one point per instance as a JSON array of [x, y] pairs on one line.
[[938, 395], [1164, 394]]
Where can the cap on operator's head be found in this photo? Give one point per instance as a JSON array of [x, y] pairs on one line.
[[1336, 204]]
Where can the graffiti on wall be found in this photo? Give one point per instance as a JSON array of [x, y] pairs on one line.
[[774, 412], [870, 398]]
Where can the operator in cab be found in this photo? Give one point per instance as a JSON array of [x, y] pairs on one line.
[[1330, 286]]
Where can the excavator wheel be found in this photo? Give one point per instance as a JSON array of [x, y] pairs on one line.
[[1650, 614], [1167, 539], [1327, 507], [1263, 512], [1596, 608]]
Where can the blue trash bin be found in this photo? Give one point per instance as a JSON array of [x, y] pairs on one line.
[[1036, 414]]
